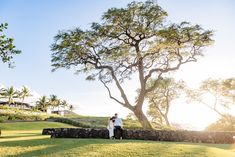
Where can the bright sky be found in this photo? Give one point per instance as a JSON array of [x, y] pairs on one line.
[[33, 24]]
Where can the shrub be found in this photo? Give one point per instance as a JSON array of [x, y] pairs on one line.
[[3, 118], [16, 114], [4, 107], [69, 121]]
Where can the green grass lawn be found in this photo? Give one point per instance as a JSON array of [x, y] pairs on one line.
[[29, 142]]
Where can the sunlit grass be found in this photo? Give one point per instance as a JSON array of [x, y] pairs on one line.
[[44, 146], [28, 143]]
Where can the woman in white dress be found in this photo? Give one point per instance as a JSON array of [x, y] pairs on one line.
[[110, 127]]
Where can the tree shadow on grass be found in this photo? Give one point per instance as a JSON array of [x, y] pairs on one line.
[[52, 145]]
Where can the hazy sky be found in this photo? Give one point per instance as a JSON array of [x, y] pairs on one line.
[[34, 23]]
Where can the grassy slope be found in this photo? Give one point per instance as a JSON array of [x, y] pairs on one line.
[[83, 121], [101, 122], [32, 125], [30, 143]]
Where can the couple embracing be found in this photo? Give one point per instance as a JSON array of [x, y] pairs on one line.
[[115, 126]]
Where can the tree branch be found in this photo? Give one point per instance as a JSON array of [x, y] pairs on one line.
[[110, 95], [123, 95]]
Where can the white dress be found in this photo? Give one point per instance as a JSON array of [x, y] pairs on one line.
[[110, 127]]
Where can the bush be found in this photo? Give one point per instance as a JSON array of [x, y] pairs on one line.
[[16, 114], [69, 121], [4, 107], [3, 118]]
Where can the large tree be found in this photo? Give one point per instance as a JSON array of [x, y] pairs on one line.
[[132, 40], [160, 99], [7, 48]]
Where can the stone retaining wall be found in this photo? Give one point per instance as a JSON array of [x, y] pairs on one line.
[[155, 135]]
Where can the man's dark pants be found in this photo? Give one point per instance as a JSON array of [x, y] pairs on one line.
[[118, 132]]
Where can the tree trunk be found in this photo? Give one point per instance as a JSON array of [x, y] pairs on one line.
[[167, 121], [142, 118]]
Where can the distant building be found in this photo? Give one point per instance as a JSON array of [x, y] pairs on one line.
[[60, 111]]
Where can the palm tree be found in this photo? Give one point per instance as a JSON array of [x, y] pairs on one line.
[[64, 104], [42, 104], [54, 101], [10, 94], [71, 108], [24, 93]]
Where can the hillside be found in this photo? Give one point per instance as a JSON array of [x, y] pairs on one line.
[[12, 114], [97, 122]]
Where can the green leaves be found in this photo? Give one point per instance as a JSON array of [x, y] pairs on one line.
[[10, 93], [7, 48], [184, 36], [90, 78], [127, 34], [3, 26]]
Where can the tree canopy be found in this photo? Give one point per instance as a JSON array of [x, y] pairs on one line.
[[7, 48], [225, 123], [133, 40], [216, 94]]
